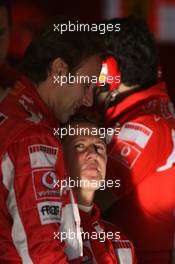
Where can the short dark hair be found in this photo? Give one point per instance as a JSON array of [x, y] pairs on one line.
[[6, 5], [73, 47], [84, 117], [135, 50]]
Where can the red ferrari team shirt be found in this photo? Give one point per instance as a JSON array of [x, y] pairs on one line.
[[142, 156]]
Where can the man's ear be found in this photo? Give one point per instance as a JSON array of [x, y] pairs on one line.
[[59, 67]]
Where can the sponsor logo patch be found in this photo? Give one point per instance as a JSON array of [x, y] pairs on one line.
[[28, 104], [123, 251], [42, 156], [2, 118], [122, 243], [125, 154], [136, 133], [44, 184], [124, 255], [49, 212]]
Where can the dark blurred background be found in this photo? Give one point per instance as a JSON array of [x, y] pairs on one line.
[[29, 15]]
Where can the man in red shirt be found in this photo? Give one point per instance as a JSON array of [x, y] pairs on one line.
[[33, 209], [86, 158], [142, 156]]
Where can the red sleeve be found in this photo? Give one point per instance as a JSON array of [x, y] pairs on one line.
[[137, 152], [33, 165]]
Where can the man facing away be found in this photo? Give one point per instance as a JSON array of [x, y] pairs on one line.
[[143, 154]]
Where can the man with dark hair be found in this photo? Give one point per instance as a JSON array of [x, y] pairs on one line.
[[136, 52], [142, 155], [34, 210]]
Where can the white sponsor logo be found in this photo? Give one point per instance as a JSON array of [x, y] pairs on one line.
[[44, 184], [27, 104], [126, 150], [49, 175], [136, 133], [123, 251], [42, 156], [124, 255], [125, 153], [49, 212]]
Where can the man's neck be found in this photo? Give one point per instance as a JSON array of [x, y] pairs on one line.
[[85, 197], [42, 89]]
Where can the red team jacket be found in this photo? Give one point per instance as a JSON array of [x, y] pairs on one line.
[[143, 157], [115, 248], [33, 208]]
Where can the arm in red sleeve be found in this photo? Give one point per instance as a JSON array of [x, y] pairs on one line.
[[138, 151]]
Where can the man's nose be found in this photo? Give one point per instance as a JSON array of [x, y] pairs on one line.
[[88, 99], [92, 152]]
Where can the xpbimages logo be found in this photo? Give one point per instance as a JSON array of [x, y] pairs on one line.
[[102, 132], [85, 79], [101, 28], [80, 183], [97, 234]]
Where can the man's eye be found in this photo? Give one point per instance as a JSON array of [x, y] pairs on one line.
[[79, 147], [100, 148]]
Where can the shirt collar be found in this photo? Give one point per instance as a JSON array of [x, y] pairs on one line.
[[158, 90]]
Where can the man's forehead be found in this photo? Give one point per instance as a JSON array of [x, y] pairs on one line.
[[84, 131], [84, 138]]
